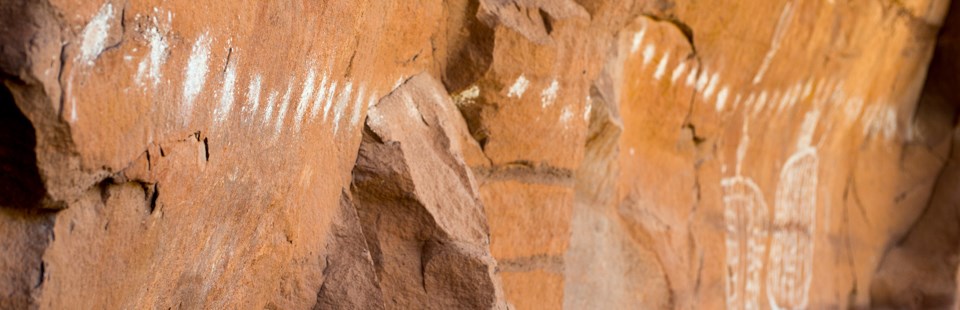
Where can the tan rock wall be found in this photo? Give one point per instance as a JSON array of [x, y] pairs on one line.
[[478, 154]]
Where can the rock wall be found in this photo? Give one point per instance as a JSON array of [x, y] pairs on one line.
[[523, 154]]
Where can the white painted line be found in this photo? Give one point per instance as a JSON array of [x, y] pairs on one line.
[[321, 92], [722, 98], [253, 96], [195, 77], [330, 97], [94, 35], [648, 53], [282, 113], [357, 107], [519, 87], [305, 95], [662, 67], [677, 72], [226, 93], [342, 103], [549, 95]]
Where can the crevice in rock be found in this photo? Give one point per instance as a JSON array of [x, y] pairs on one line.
[[21, 185]]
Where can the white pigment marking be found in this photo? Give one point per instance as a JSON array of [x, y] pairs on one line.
[[790, 270], [852, 109], [761, 102], [711, 87], [519, 87], [321, 92], [749, 102], [662, 67], [357, 107], [330, 97], [268, 112], [196, 74], [549, 95], [637, 40], [722, 98], [702, 81], [282, 113], [341, 106], [692, 77], [305, 97], [880, 119], [648, 53], [588, 108], [566, 114], [467, 96], [677, 72], [778, 34], [95, 35], [150, 67], [253, 95], [226, 94]]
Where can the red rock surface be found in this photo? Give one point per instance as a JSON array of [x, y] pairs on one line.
[[526, 154]]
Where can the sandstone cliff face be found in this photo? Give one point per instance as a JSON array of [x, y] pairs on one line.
[[519, 154]]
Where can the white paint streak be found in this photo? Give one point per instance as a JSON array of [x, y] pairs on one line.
[[722, 98], [95, 35], [638, 40], [880, 119], [566, 114], [711, 87], [226, 94], [341, 107], [662, 67], [761, 102], [357, 107], [549, 95], [271, 101], [282, 113], [253, 95], [330, 97], [305, 97], [195, 77], [587, 109], [648, 53], [149, 68], [778, 34], [519, 87], [702, 81], [692, 77], [678, 71], [321, 92]]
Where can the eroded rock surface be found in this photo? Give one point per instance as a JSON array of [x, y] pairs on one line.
[[533, 154]]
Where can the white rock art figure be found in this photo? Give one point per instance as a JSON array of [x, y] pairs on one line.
[[790, 265], [746, 217]]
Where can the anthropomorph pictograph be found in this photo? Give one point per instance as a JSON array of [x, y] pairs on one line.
[[746, 217], [790, 265]]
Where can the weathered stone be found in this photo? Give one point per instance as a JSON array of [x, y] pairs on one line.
[[419, 205], [591, 153]]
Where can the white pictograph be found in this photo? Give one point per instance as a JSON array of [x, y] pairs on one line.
[[790, 266], [746, 217]]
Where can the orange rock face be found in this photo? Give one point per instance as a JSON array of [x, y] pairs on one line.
[[525, 154]]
